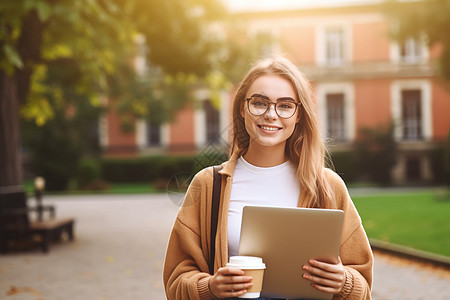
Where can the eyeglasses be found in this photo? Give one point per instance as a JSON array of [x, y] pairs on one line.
[[259, 105]]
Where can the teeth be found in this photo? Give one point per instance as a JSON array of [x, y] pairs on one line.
[[269, 128]]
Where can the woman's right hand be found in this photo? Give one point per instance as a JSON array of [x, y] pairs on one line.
[[229, 282]]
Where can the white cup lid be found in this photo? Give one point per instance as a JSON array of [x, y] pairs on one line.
[[246, 262]]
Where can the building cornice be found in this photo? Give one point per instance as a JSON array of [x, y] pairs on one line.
[[308, 8], [368, 70]]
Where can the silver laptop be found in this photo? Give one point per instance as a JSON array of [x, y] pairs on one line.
[[286, 238]]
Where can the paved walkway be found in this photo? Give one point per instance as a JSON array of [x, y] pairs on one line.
[[119, 250]]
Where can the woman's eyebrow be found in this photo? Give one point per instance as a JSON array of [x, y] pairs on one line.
[[260, 96], [286, 98], [278, 99]]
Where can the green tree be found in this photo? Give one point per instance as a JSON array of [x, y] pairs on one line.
[[54, 54], [428, 17], [55, 148]]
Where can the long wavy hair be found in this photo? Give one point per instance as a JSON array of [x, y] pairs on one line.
[[305, 147]]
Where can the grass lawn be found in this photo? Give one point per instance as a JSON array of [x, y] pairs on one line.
[[418, 220]]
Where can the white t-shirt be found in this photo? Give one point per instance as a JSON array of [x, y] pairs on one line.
[[274, 186]]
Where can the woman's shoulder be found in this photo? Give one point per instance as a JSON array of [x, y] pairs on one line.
[[204, 176], [333, 177], [340, 195], [226, 168], [199, 186]]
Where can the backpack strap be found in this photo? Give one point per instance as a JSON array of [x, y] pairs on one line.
[[217, 185]]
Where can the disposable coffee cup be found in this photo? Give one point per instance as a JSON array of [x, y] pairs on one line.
[[252, 266]]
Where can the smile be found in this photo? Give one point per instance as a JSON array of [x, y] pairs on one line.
[[269, 128]]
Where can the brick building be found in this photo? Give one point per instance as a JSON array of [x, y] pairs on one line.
[[360, 78]]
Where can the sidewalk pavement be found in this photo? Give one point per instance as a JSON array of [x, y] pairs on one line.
[[119, 248]]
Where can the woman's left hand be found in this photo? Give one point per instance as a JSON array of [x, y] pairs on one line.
[[326, 277]]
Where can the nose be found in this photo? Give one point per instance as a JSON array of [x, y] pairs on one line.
[[271, 112]]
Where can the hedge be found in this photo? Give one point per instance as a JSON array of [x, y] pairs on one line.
[[152, 168], [437, 160], [345, 163]]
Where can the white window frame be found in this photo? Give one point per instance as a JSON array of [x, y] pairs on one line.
[[103, 125], [140, 60], [347, 89], [426, 104], [103, 131], [200, 117], [396, 56], [321, 44], [141, 135], [336, 129]]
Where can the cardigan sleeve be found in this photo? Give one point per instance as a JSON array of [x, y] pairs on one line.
[[185, 273], [355, 250], [357, 259]]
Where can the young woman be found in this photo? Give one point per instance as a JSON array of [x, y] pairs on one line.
[[277, 158]]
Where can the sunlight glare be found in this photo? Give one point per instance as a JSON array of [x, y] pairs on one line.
[[267, 5]]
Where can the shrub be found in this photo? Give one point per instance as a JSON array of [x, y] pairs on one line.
[[53, 156], [54, 148], [345, 164], [376, 151], [146, 169], [89, 171], [447, 159], [124, 170], [438, 168]]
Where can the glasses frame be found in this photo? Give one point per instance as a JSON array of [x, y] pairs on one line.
[[271, 103]]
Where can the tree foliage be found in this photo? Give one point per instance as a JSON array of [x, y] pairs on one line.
[[55, 148], [428, 17], [57, 56], [95, 39]]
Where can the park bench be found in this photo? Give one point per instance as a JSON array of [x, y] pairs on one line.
[[18, 227]]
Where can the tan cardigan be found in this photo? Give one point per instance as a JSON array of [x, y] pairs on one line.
[[186, 273]]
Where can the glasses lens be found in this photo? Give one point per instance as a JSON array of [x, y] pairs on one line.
[[257, 106], [285, 109]]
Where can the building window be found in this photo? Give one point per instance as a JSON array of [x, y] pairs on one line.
[[212, 119], [335, 116], [411, 110], [411, 115], [153, 134], [337, 111], [411, 50], [334, 46]]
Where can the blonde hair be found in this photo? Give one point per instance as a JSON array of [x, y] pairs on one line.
[[305, 147]]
